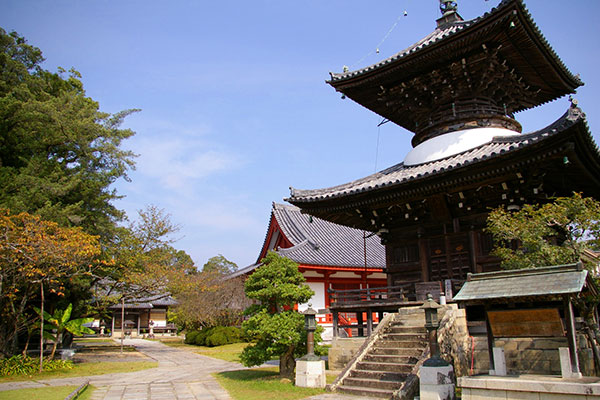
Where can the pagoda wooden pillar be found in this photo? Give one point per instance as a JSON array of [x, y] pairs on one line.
[[424, 259], [473, 247]]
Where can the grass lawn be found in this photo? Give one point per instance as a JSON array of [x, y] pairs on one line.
[[261, 384], [228, 352], [84, 369], [46, 393]]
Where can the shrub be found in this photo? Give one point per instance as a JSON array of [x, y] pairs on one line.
[[221, 335], [217, 338], [201, 337], [190, 337], [25, 365]]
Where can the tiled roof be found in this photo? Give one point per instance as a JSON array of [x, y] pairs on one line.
[[322, 243], [319, 242], [448, 30], [401, 174], [147, 302], [523, 283]]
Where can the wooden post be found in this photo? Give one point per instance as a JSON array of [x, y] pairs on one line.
[[42, 327], [369, 322], [490, 339], [570, 321], [359, 318], [122, 322], [335, 323]]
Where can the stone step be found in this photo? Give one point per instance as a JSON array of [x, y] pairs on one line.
[[399, 344], [381, 366], [373, 383], [378, 375], [404, 336], [386, 358], [408, 329], [369, 392], [414, 352]]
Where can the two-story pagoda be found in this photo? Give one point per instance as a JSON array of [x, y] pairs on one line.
[[458, 89]]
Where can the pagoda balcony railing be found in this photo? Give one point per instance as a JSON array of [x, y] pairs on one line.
[[356, 312], [405, 292]]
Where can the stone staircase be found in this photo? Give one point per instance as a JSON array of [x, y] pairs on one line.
[[387, 364]]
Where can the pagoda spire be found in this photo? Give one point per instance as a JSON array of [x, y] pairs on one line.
[[449, 10], [448, 7]]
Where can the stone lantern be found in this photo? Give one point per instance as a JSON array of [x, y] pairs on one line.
[[432, 324], [310, 324], [437, 376], [310, 369]]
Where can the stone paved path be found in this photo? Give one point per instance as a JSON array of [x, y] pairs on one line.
[[180, 375]]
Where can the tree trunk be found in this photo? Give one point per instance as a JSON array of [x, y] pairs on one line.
[[58, 337], [287, 364], [29, 332]]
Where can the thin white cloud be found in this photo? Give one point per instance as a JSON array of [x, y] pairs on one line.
[[178, 163]]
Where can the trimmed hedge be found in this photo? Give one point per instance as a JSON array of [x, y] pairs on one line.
[[216, 336]]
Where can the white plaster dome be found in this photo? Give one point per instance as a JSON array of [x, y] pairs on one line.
[[453, 143]]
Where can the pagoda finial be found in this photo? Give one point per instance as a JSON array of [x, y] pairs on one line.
[[448, 7]]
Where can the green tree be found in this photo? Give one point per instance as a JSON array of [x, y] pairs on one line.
[[220, 264], [543, 235], [59, 154], [274, 326], [60, 322]]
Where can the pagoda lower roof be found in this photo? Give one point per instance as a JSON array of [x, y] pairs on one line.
[[571, 126]]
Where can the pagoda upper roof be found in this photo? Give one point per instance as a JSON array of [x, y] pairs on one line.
[[572, 127], [501, 56], [316, 242]]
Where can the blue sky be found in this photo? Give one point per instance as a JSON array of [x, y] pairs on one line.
[[235, 108]]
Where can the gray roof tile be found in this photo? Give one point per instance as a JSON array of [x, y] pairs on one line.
[[400, 173], [523, 283], [319, 242]]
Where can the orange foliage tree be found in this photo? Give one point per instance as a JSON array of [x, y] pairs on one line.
[[36, 255]]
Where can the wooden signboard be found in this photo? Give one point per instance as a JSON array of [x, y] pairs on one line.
[[544, 322]]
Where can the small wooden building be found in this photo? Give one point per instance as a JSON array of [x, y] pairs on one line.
[[141, 315], [527, 308]]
